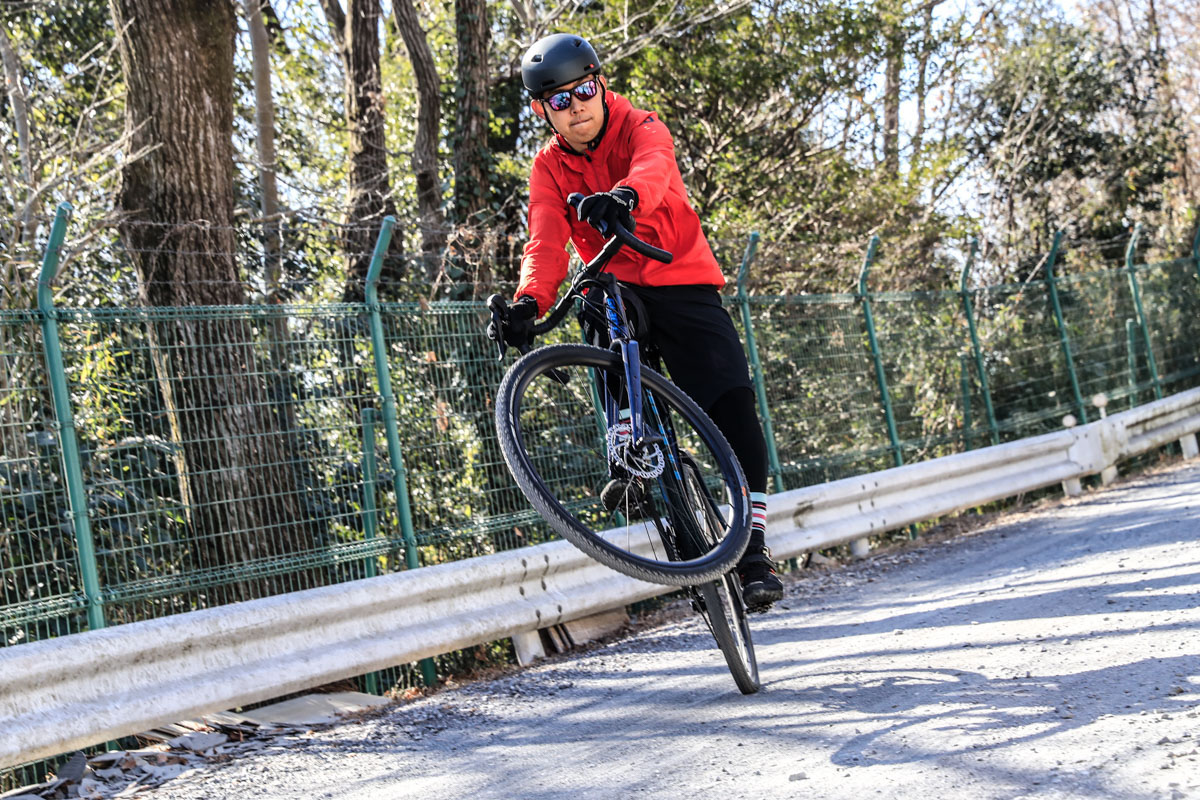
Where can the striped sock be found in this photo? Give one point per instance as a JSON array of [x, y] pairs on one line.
[[758, 519]]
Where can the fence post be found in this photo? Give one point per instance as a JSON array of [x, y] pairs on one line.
[[369, 477], [965, 380], [1131, 355], [383, 374], [760, 384], [1141, 313], [369, 521], [64, 422], [1063, 338], [984, 388], [1196, 248], [880, 377]]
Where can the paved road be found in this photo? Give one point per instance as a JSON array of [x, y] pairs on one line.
[[1054, 654]]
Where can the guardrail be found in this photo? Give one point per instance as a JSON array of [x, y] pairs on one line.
[[79, 690]]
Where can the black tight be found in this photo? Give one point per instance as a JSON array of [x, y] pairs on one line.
[[736, 415]]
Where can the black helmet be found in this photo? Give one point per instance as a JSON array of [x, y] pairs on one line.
[[557, 59]]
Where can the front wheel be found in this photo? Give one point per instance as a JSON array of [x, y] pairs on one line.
[[562, 449]]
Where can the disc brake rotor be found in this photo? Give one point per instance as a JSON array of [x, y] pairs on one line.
[[646, 462]]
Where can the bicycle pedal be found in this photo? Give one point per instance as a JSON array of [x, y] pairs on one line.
[[622, 495], [759, 609]]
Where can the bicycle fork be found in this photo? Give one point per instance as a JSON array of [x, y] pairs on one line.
[[640, 436]]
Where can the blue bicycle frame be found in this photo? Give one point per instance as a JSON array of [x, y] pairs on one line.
[[631, 359]]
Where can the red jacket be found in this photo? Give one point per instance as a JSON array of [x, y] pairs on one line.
[[636, 150]]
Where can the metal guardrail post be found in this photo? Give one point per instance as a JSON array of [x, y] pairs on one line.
[[383, 374], [1131, 355], [1137, 305], [369, 517], [881, 378], [756, 370], [969, 310], [1063, 338], [64, 422]]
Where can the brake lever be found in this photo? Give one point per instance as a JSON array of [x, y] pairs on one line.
[[499, 310], [575, 198]]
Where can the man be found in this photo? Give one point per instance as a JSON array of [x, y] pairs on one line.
[[623, 160]]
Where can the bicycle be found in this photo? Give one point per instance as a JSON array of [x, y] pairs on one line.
[[571, 416]]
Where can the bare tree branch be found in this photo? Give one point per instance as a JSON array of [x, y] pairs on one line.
[[19, 103], [336, 18]]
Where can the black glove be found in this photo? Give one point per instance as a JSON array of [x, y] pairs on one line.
[[602, 209], [512, 325]]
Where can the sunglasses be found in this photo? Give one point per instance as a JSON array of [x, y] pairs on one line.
[[561, 101]]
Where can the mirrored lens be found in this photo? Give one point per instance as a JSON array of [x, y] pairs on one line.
[[561, 101]]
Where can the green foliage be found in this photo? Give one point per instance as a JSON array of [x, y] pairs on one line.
[[69, 76], [742, 97], [62, 40], [1074, 132]]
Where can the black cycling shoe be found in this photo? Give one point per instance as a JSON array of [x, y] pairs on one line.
[[761, 587]]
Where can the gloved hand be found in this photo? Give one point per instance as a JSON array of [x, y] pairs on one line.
[[512, 324], [602, 209]]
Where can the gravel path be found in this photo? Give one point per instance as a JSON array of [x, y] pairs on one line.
[[1052, 655]]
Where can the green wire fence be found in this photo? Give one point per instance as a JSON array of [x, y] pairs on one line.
[[157, 460]]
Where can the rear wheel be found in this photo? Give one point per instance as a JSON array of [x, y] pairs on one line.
[[726, 616], [563, 451], [721, 602]]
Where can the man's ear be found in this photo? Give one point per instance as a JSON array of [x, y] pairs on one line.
[[536, 105]]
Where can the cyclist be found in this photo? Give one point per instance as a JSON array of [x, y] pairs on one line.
[[623, 160]]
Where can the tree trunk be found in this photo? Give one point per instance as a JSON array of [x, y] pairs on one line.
[[177, 57], [894, 65], [23, 237], [471, 122], [1169, 98], [356, 33], [922, 78], [425, 148], [26, 227], [264, 123]]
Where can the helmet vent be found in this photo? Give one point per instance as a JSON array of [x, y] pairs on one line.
[[537, 59]]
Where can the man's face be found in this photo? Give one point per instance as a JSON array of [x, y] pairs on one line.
[[581, 120]]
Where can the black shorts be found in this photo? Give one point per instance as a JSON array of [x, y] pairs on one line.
[[692, 332]]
